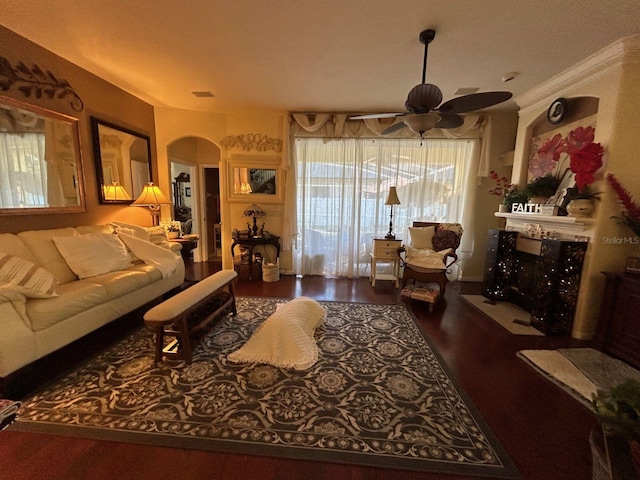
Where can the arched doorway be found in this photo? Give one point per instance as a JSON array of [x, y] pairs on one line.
[[195, 185]]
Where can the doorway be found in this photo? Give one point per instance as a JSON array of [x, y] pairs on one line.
[[213, 238]]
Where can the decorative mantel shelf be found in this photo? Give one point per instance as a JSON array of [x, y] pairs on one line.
[[574, 226]]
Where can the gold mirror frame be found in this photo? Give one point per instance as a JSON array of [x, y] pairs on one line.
[[123, 162], [241, 187], [53, 184]]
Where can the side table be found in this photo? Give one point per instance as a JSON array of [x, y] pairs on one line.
[[188, 244], [385, 251], [251, 242]]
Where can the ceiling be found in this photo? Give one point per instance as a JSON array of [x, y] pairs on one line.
[[317, 55]]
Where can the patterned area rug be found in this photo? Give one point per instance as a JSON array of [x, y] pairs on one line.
[[378, 396]]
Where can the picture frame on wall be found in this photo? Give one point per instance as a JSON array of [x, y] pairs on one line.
[[187, 191]]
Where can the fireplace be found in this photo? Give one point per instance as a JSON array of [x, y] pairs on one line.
[[540, 275]]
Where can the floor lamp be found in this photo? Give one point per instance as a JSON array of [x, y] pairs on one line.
[[392, 199]]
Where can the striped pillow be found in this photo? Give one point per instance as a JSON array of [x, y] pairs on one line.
[[26, 277]]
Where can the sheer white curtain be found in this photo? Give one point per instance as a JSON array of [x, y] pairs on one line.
[[23, 170], [342, 184]]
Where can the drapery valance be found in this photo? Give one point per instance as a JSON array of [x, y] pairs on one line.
[[337, 125]]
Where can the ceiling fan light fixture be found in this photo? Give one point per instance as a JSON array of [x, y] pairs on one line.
[[421, 124], [423, 98]]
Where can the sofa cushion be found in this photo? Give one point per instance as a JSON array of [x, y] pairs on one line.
[[47, 255], [74, 298], [93, 254], [122, 282], [26, 277], [10, 243]]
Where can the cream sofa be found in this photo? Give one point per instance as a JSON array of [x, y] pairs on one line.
[[34, 327]]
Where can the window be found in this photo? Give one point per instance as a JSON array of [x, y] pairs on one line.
[[343, 184]]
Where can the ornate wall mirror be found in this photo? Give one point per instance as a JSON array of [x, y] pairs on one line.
[[255, 179], [40, 161], [123, 162]]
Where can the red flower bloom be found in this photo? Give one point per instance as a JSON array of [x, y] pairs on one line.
[[579, 137], [586, 161], [555, 145]]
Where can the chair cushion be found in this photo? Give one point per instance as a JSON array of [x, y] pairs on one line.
[[422, 237], [426, 258], [447, 235]]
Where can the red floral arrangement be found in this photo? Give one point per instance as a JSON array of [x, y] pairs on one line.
[[631, 215], [585, 156], [502, 184]]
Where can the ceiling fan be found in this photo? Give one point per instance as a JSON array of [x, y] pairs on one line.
[[423, 100]]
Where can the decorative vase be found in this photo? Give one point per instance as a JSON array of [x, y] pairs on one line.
[[173, 235], [502, 208], [580, 207]]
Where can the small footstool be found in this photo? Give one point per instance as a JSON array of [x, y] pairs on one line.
[[424, 293]]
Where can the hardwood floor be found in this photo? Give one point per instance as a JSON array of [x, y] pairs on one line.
[[544, 430]]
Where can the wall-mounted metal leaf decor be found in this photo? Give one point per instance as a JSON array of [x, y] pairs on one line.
[[38, 83], [252, 141]]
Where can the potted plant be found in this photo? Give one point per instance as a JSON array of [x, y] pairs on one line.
[[173, 231], [543, 187], [618, 410], [512, 197]]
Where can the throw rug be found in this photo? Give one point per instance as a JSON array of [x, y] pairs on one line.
[[581, 372], [378, 396], [506, 314]]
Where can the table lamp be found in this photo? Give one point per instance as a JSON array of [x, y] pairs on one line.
[[254, 211], [392, 199], [152, 197]]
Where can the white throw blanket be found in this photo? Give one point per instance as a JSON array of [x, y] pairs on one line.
[[425, 258], [164, 260], [285, 339]]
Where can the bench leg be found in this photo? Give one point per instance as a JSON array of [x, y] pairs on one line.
[[159, 343], [185, 344], [232, 292]]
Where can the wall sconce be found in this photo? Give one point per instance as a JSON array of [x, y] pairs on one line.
[[392, 199], [152, 197]]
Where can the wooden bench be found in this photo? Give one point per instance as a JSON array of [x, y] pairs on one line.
[[188, 315]]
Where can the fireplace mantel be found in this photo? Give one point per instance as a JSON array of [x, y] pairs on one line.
[[578, 227]]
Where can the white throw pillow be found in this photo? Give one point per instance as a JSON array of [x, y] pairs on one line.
[[25, 277], [93, 254], [422, 237]]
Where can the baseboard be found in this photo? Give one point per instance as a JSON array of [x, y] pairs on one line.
[[470, 279]]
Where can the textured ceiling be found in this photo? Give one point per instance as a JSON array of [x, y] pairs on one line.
[[317, 55]]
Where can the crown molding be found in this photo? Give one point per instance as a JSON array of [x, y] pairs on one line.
[[624, 51]]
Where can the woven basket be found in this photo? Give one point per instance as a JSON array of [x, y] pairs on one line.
[[270, 272]]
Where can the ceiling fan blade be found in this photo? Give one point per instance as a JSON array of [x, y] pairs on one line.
[[449, 120], [475, 101], [377, 115], [394, 128]]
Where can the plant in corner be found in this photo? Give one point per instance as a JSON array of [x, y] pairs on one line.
[[619, 413], [631, 215]]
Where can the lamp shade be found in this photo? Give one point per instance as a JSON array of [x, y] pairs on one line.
[[151, 195], [392, 197], [422, 123], [254, 211], [115, 191]]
